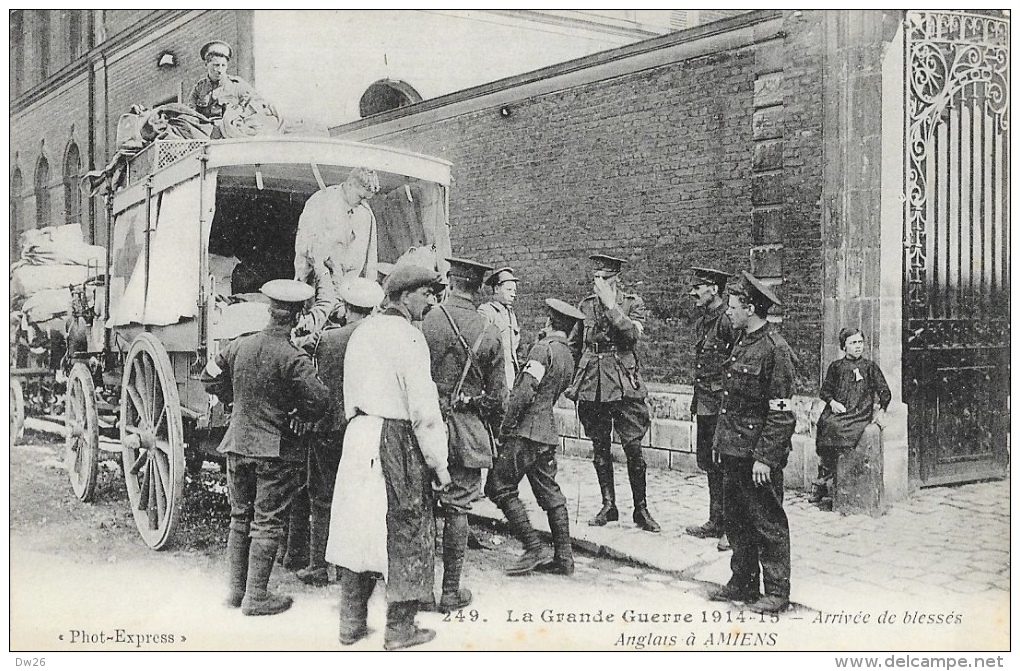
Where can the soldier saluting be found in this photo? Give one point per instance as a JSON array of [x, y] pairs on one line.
[[608, 387]]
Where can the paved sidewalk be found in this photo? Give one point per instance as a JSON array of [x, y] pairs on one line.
[[944, 543]]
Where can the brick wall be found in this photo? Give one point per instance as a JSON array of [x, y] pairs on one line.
[[654, 166]]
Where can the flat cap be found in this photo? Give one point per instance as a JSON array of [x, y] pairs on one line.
[[408, 277], [755, 290], [361, 292], [708, 276], [607, 263], [468, 269], [500, 275], [215, 48], [287, 291], [564, 308]]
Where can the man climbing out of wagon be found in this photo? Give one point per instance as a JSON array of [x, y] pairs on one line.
[[230, 102], [337, 238], [268, 381]]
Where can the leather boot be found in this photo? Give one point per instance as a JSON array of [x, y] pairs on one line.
[[401, 629], [455, 533], [715, 527], [238, 546], [534, 552], [563, 559], [642, 517], [315, 573], [258, 600], [355, 590], [296, 555], [608, 512]]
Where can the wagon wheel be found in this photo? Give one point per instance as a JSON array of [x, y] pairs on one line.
[[82, 454], [17, 411], [152, 439]]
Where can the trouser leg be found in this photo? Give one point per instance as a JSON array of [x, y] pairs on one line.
[[455, 532], [355, 591], [738, 492]]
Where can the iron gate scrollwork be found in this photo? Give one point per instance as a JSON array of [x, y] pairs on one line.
[[957, 239]]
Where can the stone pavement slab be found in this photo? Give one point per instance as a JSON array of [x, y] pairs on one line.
[[941, 543]]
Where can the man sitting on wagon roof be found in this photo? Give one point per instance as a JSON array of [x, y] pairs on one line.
[[337, 236]]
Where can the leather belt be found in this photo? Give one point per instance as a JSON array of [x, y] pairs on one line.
[[605, 349]]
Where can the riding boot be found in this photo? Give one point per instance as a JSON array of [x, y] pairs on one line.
[[534, 552], [315, 573], [296, 555], [355, 590], [258, 600], [401, 629], [608, 512], [238, 546], [642, 518], [563, 559], [455, 534]]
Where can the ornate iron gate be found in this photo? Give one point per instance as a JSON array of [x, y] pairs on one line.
[[957, 252]]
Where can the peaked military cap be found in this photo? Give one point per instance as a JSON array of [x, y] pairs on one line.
[[215, 48], [563, 308], [361, 292], [408, 277], [287, 291], [607, 263], [755, 290], [708, 276], [500, 275], [468, 269]]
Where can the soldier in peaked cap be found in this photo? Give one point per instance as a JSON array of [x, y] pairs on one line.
[[361, 297], [608, 387], [713, 340], [216, 90], [467, 367], [500, 311], [269, 381], [529, 445], [753, 435]]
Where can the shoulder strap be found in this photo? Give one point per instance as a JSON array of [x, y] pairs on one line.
[[471, 351]]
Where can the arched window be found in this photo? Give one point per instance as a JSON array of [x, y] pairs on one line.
[[385, 95], [17, 184], [72, 194], [74, 32], [42, 193], [43, 40]]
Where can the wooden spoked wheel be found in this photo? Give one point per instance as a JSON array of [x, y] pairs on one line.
[[17, 411], [152, 440], [81, 421]]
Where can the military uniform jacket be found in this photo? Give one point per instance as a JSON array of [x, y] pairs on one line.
[[756, 419], [505, 321], [714, 336], [266, 378], [211, 98], [603, 346], [547, 371], [470, 445], [328, 354]]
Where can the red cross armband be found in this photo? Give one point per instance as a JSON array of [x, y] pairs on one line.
[[781, 404]]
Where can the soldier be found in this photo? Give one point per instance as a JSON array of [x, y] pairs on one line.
[[608, 387], [500, 311], [395, 454], [467, 366], [269, 381], [529, 448], [753, 436], [214, 92], [714, 336], [360, 296]]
